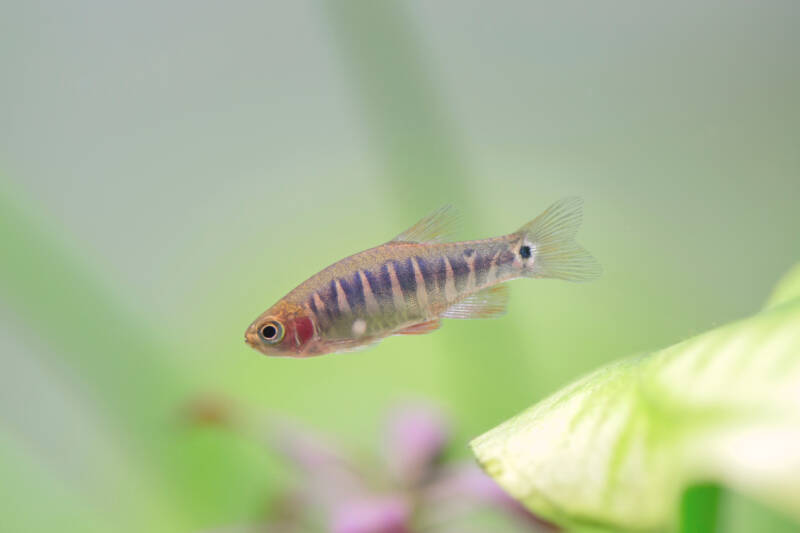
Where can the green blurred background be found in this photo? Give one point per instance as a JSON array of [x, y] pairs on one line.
[[169, 170]]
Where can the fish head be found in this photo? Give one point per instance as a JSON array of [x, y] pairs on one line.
[[283, 330]]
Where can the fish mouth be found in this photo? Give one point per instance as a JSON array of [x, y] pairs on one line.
[[251, 337]]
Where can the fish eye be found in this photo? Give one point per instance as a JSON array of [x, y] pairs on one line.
[[271, 332]]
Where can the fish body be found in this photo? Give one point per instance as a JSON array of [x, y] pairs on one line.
[[408, 284]]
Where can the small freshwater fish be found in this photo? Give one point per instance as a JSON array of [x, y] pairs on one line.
[[407, 285]]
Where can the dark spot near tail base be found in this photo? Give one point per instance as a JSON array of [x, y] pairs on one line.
[[525, 251]]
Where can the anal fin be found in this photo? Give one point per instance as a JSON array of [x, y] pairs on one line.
[[421, 328], [488, 303]]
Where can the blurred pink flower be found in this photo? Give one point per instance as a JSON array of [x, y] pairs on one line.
[[415, 493], [376, 515], [415, 438]]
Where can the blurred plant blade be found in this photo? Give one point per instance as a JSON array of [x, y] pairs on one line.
[[619, 446], [411, 131], [32, 499], [402, 107], [97, 343], [52, 289]]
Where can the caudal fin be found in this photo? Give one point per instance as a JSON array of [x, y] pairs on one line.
[[551, 237]]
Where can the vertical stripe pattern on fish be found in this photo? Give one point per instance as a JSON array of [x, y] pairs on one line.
[[408, 284]]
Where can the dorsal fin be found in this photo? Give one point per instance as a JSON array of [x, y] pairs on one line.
[[436, 227], [488, 303]]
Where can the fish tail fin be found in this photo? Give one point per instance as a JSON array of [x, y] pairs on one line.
[[553, 250]]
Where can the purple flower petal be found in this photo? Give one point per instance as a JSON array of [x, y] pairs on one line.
[[467, 480], [330, 477], [415, 437], [382, 515], [460, 488]]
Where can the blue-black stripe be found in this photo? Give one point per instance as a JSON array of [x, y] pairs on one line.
[[440, 273], [383, 286], [406, 277], [507, 256], [482, 263], [313, 306], [330, 300], [427, 275], [460, 272], [354, 292]]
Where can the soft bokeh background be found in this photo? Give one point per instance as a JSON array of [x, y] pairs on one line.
[[169, 170]]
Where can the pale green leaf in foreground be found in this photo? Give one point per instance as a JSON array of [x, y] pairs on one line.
[[617, 447]]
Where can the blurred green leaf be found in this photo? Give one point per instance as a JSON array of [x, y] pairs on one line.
[[740, 514], [787, 289], [699, 509], [618, 447]]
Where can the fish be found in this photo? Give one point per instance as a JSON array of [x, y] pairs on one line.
[[407, 285]]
